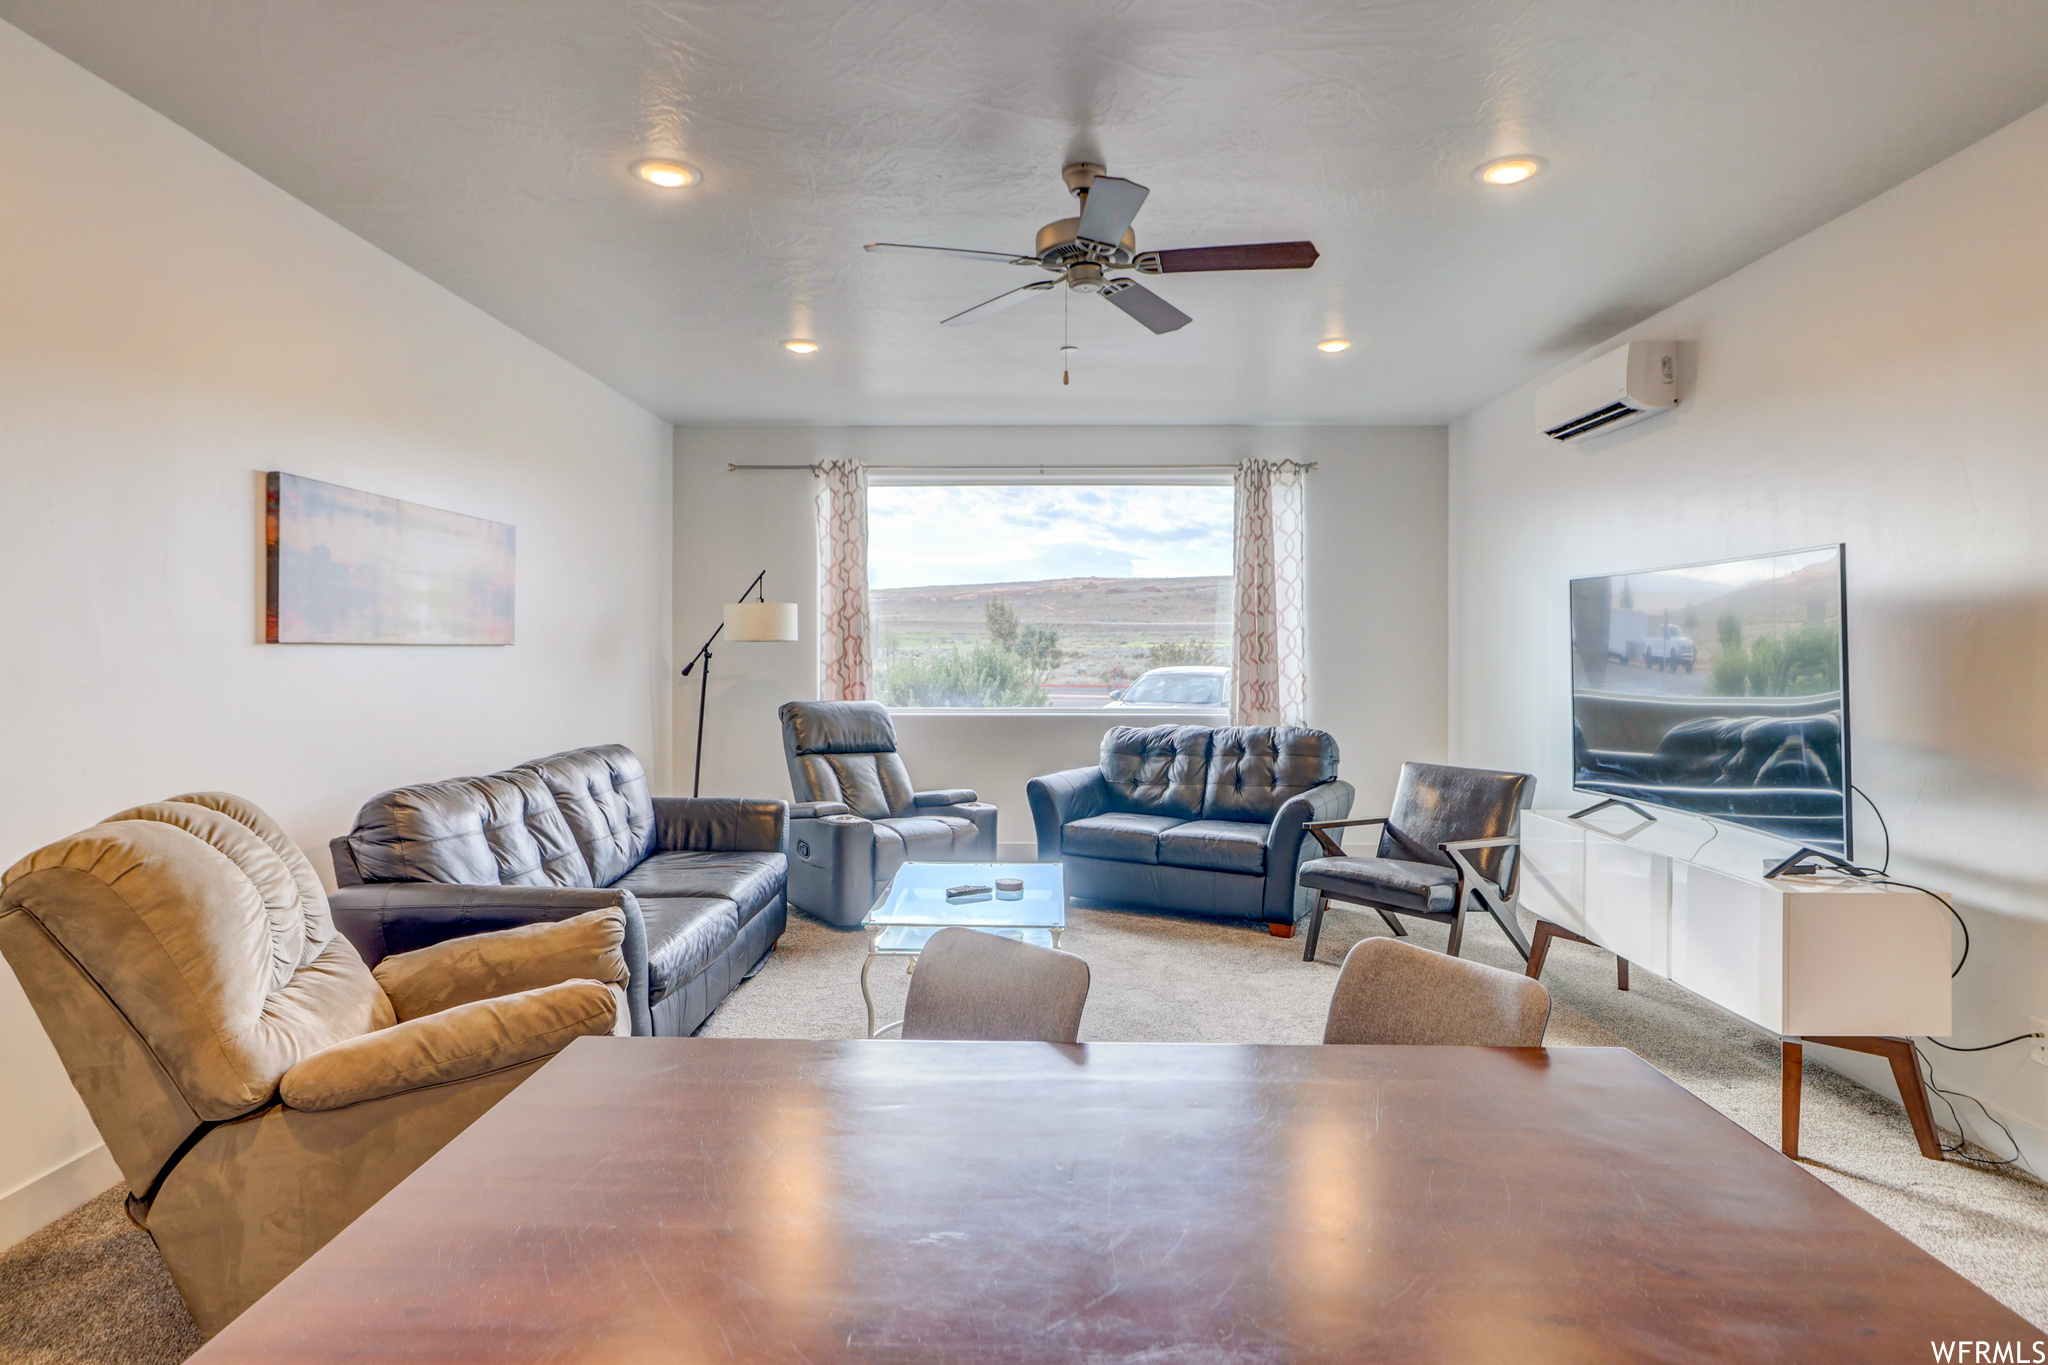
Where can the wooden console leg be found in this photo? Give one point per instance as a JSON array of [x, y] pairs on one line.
[[1906, 1072], [1280, 930], [1788, 1098], [1621, 973]]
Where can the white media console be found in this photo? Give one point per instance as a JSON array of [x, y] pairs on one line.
[[1819, 959]]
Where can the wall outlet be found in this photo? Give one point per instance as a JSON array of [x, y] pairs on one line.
[[2040, 1050]]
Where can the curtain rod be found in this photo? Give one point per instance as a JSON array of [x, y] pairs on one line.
[[1012, 468]]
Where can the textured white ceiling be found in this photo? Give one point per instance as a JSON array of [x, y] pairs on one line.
[[485, 143]]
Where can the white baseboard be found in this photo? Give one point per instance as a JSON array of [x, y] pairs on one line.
[[53, 1194]]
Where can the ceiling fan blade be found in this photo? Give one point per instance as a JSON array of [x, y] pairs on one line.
[[1262, 256], [1006, 257], [1111, 205], [1000, 302], [1146, 306]]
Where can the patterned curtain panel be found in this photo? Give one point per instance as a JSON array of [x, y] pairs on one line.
[[1269, 665], [846, 659]]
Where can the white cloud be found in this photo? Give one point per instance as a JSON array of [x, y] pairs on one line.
[[925, 536]]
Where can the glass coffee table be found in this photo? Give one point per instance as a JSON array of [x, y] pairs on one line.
[[915, 907]]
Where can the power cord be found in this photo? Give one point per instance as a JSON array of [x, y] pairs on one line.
[[1948, 1098], [1887, 829], [1876, 876], [2003, 1042], [1881, 875], [1882, 880]]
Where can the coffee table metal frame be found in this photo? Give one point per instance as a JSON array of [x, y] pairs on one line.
[[914, 907]]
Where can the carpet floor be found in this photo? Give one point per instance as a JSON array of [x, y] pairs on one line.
[[90, 1289]]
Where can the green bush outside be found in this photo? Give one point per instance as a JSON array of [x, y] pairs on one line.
[[986, 675], [1182, 654]]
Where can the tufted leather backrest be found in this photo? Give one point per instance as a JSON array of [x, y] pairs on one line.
[[1435, 804], [1256, 769], [1158, 769], [503, 830], [207, 929], [845, 751], [602, 794]]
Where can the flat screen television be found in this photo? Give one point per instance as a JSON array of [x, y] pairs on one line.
[[1720, 689]]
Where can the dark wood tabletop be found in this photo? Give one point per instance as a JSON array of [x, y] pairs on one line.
[[645, 1199]]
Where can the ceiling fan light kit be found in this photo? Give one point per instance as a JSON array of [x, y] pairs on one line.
[[1080, 250]]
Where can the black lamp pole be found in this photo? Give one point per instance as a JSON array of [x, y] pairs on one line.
[[704, 683]]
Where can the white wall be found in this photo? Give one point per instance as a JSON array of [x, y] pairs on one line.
[[1882, 382], [1376, 611], [170, 326]]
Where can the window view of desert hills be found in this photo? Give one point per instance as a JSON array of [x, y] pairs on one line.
[[1048, 642]]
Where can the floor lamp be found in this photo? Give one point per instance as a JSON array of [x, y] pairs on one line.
[[744, 620]]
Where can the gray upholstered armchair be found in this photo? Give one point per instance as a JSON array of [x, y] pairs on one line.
[[857, 818]]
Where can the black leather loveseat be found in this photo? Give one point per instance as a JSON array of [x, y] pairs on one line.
[[701, 879], [1189, 818]]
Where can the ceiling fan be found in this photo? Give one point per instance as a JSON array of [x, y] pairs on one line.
[[1080, 251]]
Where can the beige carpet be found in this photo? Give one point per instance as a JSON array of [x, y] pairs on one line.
[[90, 1289]]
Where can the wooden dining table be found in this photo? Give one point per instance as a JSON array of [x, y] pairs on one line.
[[678, 1200]]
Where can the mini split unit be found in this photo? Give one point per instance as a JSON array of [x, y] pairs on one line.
[[1626, 385]]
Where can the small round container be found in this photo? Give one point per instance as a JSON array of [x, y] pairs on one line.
[[1010, 888]]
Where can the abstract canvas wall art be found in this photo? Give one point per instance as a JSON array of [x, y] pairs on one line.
[[347, 567]]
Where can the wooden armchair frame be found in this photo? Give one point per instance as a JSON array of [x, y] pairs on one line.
[[1498, 899]]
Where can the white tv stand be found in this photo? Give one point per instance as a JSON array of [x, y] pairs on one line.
[[1816, 960]]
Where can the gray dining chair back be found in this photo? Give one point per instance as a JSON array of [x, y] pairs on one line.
[[1393, 992], [983, 987]]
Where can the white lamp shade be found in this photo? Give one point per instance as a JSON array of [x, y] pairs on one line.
[[760, 620]]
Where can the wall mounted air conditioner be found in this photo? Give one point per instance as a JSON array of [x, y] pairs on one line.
[[1626, 385]]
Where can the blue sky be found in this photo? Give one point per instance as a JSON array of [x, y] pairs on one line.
[[1013, 533]]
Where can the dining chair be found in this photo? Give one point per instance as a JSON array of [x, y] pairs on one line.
[[968, 985], [1394, 992]]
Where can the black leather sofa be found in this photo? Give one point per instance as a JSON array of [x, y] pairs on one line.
[[701, 880], [1193, 819]]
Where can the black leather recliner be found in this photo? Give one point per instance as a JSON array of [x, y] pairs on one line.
[[701, 879], [1189, 818], [857, 819]]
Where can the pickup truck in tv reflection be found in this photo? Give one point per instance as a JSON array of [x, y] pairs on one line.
[[1670, 649]]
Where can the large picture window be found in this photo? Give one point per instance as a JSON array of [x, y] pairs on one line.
[[1051, 595]]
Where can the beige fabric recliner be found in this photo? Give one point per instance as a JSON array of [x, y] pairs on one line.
[[257, 1084]]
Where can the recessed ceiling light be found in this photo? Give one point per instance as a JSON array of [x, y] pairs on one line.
[[1333, 345], [670, 175], [1509, 170], [800, 347]]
